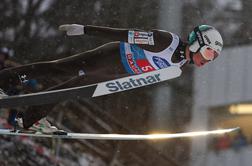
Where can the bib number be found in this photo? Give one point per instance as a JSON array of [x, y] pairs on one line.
[[144, 65]]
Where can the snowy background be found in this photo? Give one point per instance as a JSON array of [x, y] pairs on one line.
[[30, 29]]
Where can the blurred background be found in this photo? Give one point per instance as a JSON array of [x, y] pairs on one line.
[[216, 96]]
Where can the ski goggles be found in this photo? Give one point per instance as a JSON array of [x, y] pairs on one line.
[[208, 53]]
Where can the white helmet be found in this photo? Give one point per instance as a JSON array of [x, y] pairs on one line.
[[205, 35]]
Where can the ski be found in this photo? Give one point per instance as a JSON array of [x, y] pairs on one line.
[[93, 90], [117, 136]]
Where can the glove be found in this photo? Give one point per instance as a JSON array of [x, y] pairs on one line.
[[72, 29]]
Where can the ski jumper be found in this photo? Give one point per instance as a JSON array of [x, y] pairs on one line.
[[110, 61]]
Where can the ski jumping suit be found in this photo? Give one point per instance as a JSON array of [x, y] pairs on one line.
[[134, 54]]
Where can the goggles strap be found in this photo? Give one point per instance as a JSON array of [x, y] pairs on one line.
[[199, 38]]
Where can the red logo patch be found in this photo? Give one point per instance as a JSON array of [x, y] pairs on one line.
[[132, 64]]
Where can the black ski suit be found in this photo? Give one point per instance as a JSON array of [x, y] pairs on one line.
[[100, 64]]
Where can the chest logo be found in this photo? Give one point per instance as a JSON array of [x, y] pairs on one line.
[[160, 62]]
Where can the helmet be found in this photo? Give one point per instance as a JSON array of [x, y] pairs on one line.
[[205, 37]]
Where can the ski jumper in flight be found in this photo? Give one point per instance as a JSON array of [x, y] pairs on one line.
[[131, 52]]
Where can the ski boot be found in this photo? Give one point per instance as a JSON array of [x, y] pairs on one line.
[[40, 127]]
